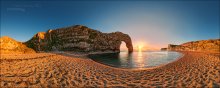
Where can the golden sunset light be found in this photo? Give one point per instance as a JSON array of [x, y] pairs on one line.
[[140, 48], [110, 43]]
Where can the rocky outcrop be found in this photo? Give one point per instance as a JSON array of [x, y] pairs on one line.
[[203, 45], [163, 49], [79, 38], [9, 45]]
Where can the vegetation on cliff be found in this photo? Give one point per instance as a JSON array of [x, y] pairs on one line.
[[212, 45], [78, 38]]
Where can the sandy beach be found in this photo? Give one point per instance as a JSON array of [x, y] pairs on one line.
[[194, 69]]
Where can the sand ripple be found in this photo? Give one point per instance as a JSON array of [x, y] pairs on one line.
[[51, 70]]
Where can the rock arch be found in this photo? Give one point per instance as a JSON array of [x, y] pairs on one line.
[[80, 38], [128, 43], [125, 38]]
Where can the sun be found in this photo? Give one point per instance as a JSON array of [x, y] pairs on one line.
[[140, 48]]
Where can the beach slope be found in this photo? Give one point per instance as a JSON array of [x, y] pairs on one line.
[[194, 69]]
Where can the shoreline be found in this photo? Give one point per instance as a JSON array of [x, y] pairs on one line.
[[194, 69], [145, 68]]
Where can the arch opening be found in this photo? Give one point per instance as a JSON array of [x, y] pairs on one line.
[[123, 47]]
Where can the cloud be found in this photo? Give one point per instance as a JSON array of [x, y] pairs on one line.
[[16, 9]]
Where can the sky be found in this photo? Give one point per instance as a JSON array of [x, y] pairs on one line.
[[152, 24]]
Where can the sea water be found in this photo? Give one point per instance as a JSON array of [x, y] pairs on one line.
[[136, 59]]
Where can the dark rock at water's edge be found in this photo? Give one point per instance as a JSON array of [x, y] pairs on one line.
[[163, 49], [80, 39], [212, 45]]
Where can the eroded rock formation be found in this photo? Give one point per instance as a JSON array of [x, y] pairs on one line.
[[79, 38], [203, 45], [9, 45], [163, 49]]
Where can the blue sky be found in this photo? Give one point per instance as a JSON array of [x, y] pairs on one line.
[[155, 23]]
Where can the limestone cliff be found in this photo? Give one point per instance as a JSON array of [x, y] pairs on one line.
[[79, 38], [202, 45], [9, 45]]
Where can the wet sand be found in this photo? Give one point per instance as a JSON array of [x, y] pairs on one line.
[[194, 69]]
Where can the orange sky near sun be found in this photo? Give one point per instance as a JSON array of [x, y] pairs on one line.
[[140, 46]]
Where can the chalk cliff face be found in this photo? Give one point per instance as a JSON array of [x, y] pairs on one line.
[[79, 38], [11, 46], [203, 45]]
